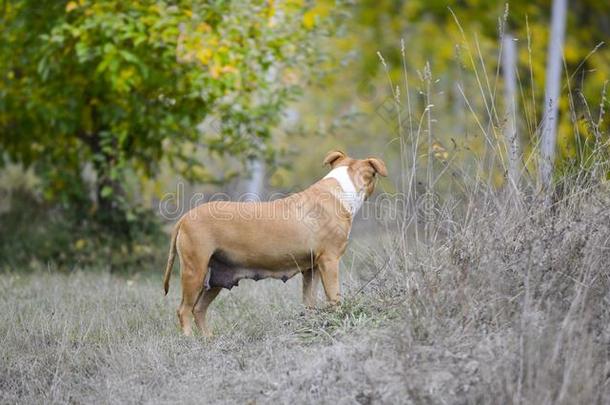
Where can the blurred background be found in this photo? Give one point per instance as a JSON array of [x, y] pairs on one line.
[[114, 115]]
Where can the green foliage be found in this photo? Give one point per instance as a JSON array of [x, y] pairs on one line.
[[97, 96], [122, 86], [460, 42], [35, 234]]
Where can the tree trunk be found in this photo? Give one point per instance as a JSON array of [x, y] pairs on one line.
[[552, 90], [109, 193], [509, 66], [255, 184]]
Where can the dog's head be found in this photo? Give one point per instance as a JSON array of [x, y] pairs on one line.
[[363, 172]]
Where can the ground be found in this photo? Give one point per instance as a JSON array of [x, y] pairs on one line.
[[92, 337], [509, 307]]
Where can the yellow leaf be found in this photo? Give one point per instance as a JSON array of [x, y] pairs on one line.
[[309, 19], [203, 27], [439, 151], [584, 129], [72, 5], [80, 244], [204, 55], [271, 13], [321, 10], [294, 3], [571, 53]]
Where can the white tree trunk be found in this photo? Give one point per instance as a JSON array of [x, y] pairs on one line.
[[552, 89], [509, 66], [255, 183]]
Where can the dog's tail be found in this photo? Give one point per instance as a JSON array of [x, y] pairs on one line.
[[171, 257]]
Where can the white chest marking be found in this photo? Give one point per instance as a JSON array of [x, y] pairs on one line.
[[351, 198]]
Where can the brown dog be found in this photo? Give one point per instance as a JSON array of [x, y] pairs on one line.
[[221, 242]]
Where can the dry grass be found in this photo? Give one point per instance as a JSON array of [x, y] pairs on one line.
[[505, 306]]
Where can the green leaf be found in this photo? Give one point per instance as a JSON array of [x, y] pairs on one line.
[[106, 191]]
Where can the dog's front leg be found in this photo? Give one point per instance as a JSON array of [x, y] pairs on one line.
[[329, 271], [311, 279]]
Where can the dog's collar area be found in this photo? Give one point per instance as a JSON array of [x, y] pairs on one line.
[[351, 198]]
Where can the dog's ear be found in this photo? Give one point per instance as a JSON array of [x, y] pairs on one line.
[[333, 157], [379, 166]]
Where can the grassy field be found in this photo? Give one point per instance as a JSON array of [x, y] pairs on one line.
[[502, 306]]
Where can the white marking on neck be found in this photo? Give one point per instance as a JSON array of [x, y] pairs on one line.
[[351, 198]]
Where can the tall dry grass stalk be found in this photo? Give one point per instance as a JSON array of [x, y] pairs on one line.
[[498, 270]]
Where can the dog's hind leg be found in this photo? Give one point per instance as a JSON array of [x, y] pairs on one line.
[[194, 259], [191, 286], [201, 307]]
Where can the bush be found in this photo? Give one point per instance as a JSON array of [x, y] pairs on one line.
[[38, 234]]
